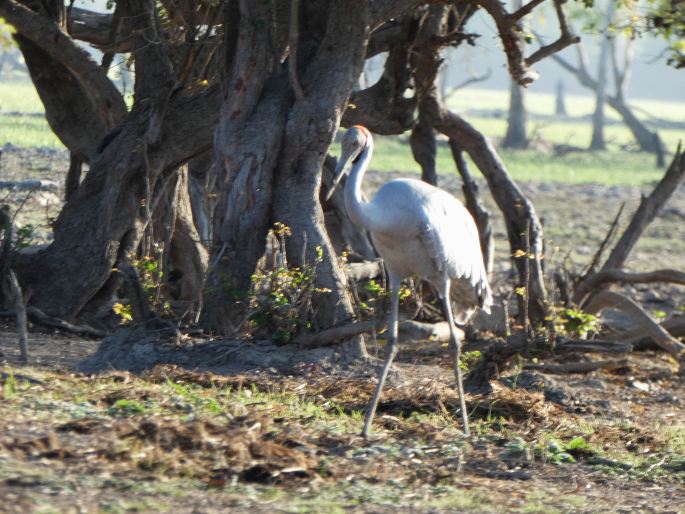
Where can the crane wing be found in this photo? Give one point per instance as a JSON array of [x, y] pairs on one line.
[[451, 237]]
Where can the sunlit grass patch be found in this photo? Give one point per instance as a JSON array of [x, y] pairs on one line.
[[27, 130]]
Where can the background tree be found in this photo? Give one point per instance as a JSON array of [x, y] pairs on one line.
[[617, 35], [516, 136]]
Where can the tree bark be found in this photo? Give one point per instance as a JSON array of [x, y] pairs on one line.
[[515, 136], [108, 213], [424, 147], [327, 81], [265, 141], [248, 140], [560, 100], [516, 123]]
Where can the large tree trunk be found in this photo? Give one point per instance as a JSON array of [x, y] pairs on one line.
[[266, 141], [107, 215], [424, 147]]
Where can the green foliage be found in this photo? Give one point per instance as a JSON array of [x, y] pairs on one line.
[[24, 236], [470, 359], [667, 20], [574, 322], [9, 386], [552, 450], [127, 407], [280, 301], [152, 279], [6, 31]]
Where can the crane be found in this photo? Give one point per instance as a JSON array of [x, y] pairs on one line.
[[418, 229]]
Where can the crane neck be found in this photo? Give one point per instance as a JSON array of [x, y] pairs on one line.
[[357, 208]]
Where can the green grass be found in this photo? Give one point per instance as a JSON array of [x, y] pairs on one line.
[[617, 165], [27, 131], [608, 167], [543, 104], [19, 96]]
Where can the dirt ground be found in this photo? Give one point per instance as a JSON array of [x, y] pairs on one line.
[[214, 426]]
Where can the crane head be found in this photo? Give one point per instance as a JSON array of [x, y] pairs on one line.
[[353, 143]]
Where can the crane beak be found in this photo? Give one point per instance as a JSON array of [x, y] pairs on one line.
[[340, 171]]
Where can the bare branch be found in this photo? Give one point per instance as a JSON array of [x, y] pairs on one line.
[[526, 9], [510, 32], [38, 317], [566, 38], [607, 239], [471, 80], [50, 38], [647, 211], [408, 330]]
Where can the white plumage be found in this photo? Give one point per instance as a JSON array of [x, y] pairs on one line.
[[418, 229]]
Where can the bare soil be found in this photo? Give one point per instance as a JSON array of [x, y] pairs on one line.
[[214, 426]]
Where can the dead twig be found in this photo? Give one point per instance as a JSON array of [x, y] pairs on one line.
[[38, 317]]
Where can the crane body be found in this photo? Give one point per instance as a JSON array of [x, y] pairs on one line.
[[418, 230]]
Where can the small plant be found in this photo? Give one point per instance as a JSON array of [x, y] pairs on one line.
[[376, 294], [469, 359], [24, 236], [124, 311], [575, 322], [281, 298], [128, 407], [9, 386], [152, 279], [151, 276]]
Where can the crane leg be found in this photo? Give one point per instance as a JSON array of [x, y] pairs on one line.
[[455, 347], [390, 353]]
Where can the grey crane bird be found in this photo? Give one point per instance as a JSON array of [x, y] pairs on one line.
[[418, 229]]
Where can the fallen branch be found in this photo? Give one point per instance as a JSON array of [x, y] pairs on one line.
[[409, 330], [674, 326], [497, 353], [594, 346], [38, 317], [579, 367], [608, 299]]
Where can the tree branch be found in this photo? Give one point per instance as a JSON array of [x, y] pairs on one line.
[[510, 32], [608, 299], [647, 211], [50, 38], [566, 38]]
